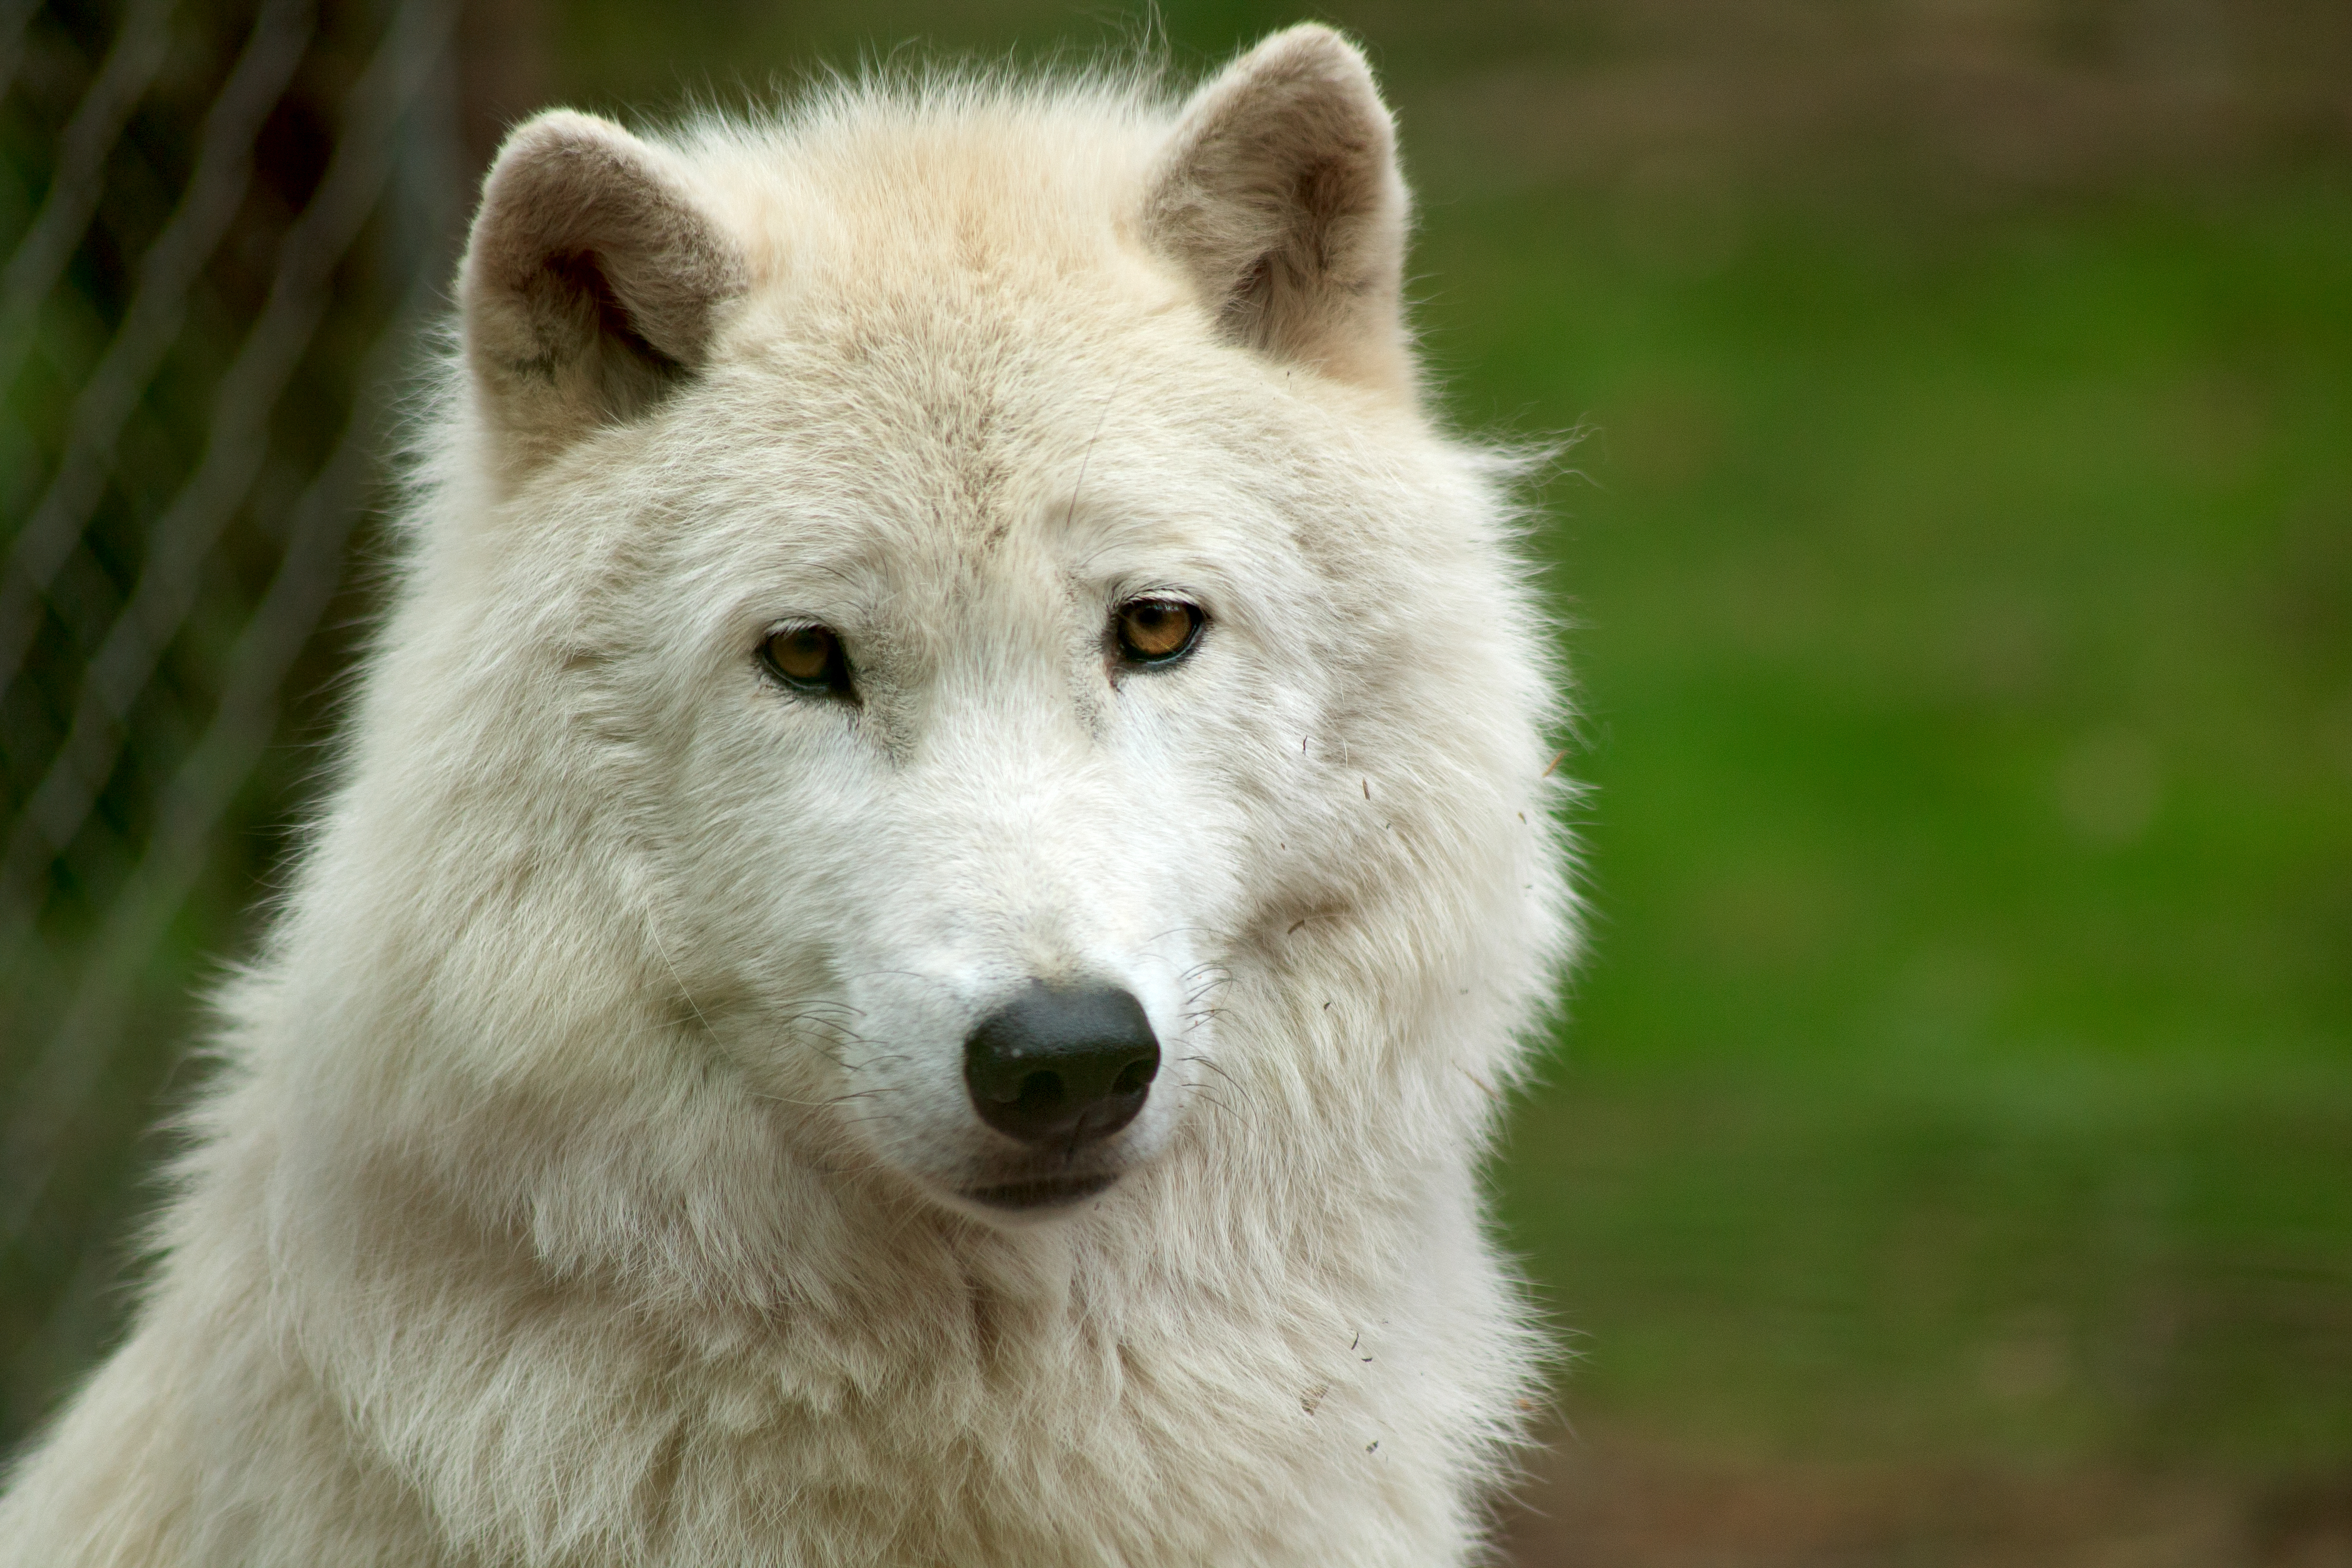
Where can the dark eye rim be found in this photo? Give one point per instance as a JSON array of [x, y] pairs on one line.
[[837, 682], [1129, 652]]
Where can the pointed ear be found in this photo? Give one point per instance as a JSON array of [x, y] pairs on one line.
[[1279, 194], [592, 283]]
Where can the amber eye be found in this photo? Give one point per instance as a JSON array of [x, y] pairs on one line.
[[808, 659], [1154, 631]]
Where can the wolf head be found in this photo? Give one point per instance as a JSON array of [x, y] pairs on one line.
[[941, 663]]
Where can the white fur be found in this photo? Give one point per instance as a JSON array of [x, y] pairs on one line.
[[581, 1184]]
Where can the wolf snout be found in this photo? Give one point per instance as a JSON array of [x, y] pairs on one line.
[[1061, 1067]]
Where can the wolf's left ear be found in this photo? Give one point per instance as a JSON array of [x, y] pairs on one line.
[[592, 283], [1279, 194]]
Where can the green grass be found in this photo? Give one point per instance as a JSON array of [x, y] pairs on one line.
[[1963, 1064]]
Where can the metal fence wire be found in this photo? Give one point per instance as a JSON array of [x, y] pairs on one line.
[[221, 224]]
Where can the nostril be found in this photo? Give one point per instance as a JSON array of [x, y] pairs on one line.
[[1056, 1067], [1039, 1092]]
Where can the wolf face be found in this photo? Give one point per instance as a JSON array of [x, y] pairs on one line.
[[963, 589], [987, 784]]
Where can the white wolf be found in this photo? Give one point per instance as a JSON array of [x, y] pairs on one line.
[[936, 874]]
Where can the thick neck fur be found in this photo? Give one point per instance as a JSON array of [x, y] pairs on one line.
[[574, 1348]]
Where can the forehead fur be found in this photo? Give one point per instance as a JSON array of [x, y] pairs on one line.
[[880, 187]]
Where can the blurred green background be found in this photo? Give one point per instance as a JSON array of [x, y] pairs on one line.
[[1955, 1116]]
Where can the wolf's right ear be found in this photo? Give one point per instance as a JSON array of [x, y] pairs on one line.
[[592, 283]]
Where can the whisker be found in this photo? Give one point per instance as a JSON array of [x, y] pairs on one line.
[[653, 929], [1208, 1098], [1239, 1088]]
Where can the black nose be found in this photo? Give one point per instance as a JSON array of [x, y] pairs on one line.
[[1062, 1066]]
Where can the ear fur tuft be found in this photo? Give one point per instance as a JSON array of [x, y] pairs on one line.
[[1279, 192], [591, 281]]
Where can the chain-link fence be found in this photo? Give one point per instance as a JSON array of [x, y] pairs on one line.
[[222, 223]]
